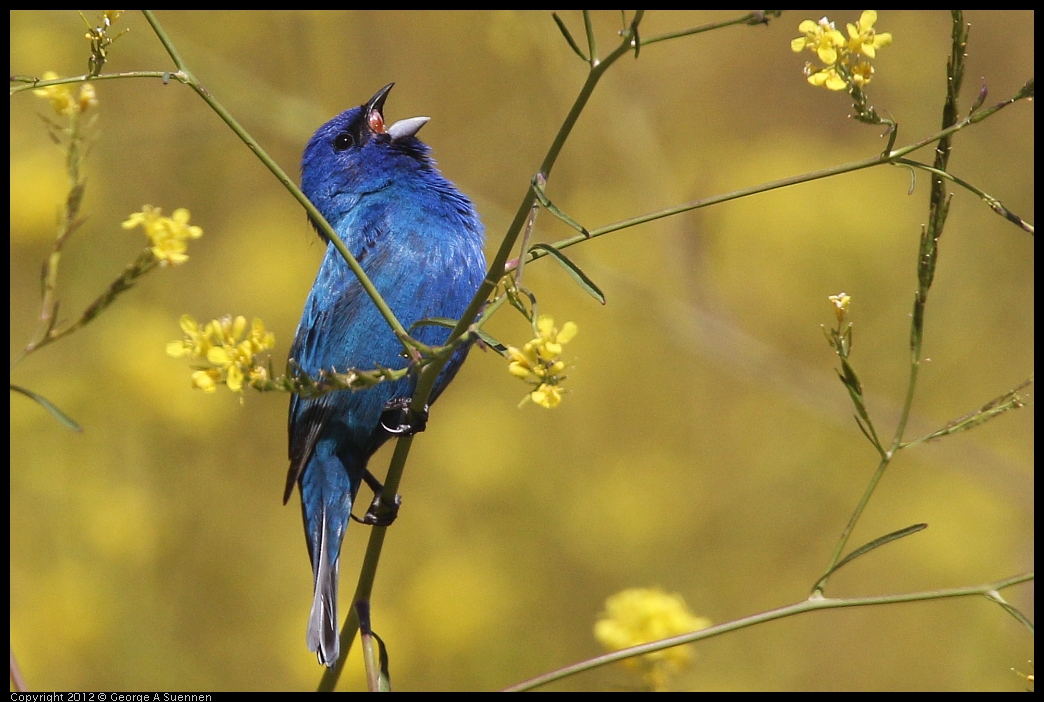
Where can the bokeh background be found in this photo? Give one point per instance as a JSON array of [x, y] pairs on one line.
[[706, 446]]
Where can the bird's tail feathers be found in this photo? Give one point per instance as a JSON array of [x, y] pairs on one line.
[[322, 623]]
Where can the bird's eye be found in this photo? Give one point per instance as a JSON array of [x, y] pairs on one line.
[[343, 141]]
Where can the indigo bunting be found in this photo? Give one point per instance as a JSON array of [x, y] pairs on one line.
[[420, 241]]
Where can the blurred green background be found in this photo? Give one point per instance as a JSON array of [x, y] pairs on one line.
[[706, 446]]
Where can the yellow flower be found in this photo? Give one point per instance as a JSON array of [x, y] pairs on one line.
[[840, 301], [827, 77], [88, 97], [206, 380], [260, 340], [538, 361], [170, 251], [524, 364], [551, 339], [639, 615], [196, 343], [258, 375], [821, 37], [168, 234], [179, 226], [547, 395], [862, 72], [221, 344], [61, 96], [234, 378], [232, 328], [838, 54], [864, 39]]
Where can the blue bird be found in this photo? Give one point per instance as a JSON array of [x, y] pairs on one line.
[[420, 241]]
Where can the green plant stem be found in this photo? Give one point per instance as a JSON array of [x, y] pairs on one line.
[[69, 223], [994, 596], [854, 519], [992, 202], [32, 83], [748, 18], [995, 407], [592, 46], [496, 268], [812, 604], [926, 260], [426, 381], [368, 571], [185, 76], [370, 663], [895, 156]]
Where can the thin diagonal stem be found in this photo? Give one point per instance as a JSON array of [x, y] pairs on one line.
[[854, 519], [592, 45], [812, 604], [745, 19], [926, 260], [426, 381], [185, 76], [895, 156], [992, 202]]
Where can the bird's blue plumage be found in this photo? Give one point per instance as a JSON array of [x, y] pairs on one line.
[[420, 242]]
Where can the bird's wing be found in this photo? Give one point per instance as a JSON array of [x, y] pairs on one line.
[[418, 266], [340, 329]]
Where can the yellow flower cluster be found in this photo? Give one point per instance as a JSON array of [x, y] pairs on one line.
[[841, 301], [640, 615], [538, 362], [168, 234], [221, 343], [838, 54], [62, 99]]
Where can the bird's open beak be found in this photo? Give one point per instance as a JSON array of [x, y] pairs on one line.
[[401, 129], [377, 101], [407, 127]]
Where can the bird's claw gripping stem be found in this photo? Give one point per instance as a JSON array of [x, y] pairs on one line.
[[397, 420], [380, 513]]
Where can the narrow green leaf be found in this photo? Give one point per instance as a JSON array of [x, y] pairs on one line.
[[862, 428], [574, 271], [384, 681], [517, 304], [433, 322], [491, 342], [568, 36], [851, 379], [867, 548], [486, 338], [1010, 400], [545, 202], [515, 297], [880, 541], [592, 46], [995, 596], [50, 407]]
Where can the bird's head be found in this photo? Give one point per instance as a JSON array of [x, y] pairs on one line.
[[355, 153]]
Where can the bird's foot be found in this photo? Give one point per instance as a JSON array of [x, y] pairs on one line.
[[381, 513], [397, 420]]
